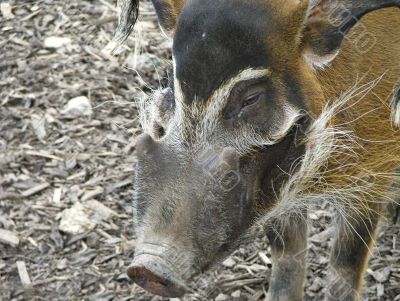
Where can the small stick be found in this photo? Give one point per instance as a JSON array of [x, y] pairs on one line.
[[23, 274], [35, 189], [43, 155]]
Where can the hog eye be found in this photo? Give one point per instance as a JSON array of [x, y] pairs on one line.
[[252, 99], [245, 95]]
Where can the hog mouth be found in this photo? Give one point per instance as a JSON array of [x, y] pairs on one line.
[[152, 273]]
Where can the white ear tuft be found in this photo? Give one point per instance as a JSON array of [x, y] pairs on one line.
[[319, 62]]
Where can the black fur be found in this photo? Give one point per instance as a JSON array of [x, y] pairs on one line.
[[294, 90], [215, 39]]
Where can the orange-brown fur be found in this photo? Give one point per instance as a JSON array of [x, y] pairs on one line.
[[369, 118]]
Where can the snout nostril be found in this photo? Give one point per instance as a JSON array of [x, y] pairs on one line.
[[142, 275], [153, 282]]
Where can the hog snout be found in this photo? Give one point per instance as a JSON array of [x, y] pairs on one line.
[[161, 268], [189, 210], [154, 275]]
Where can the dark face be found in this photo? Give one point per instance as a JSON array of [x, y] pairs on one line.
[[218, 143]]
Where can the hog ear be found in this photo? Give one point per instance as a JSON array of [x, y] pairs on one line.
[[128, 12], [328, 22], [167, 13]]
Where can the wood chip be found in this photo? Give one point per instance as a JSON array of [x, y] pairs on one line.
[[77, 106], [39, 126], [9, 238], [380, 290], [100, 209], [30, 16], [19, 41], [92, 193], [23, 274], [6, 11], [57, 195], [9, 196], [256, 296], [381, 275], [43, 154], [75, 220], [35, 189], [229, 262], [236, 294], [83, 157], [56, 42], [264, 258]]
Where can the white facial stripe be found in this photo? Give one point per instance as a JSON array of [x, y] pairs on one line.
[[179, 97], [208, 115], [217, 102], [180, 107], [219, 98]]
